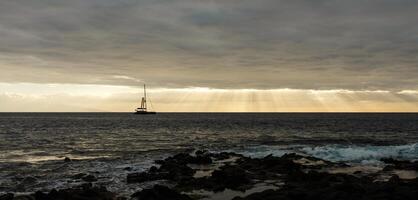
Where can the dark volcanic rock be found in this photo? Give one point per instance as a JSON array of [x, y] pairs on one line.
[[269, 167], [201, 160], [230, 176], [176, 171], [224, 155], [201, 152], [78, 176], [144, 176], [324, 186], [67, 159], [237, 177], [168, 171], [29, 180], [89, 178], [85, 192], [399, 164], [176, 168], [184, 158], [300, 174], [173, 168], [24, 197], [159, 192], [395, 179], [8, 196], [269, 163]]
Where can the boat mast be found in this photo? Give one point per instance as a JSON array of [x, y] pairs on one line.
[[143, 108], [145, 98]]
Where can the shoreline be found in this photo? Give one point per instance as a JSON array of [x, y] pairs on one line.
[[228, 175]]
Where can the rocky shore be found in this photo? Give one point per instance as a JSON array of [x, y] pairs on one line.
[[206, 175]]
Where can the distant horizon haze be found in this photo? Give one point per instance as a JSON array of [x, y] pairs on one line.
[[26, 97]]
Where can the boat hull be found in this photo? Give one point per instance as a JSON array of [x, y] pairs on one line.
[[145, 113]]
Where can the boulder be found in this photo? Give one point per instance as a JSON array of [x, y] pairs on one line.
[[159, 192], [400, 164], [84, 192], [8, 196], [67, 159], [231, 176], [89, 178], [324, 186]]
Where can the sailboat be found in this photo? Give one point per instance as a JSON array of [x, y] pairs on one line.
[[143, 109]]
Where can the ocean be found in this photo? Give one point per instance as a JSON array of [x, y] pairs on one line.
[[110, 145]]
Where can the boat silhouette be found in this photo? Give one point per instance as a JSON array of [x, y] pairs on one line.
[[143, 110]]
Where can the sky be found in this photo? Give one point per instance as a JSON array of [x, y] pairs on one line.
[[209, 55]]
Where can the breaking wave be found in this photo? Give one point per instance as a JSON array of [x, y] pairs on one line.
[[363, 154]]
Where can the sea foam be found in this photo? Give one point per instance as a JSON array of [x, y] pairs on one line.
[[363, 154]]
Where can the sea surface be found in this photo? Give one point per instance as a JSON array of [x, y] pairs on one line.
[[111, 145]]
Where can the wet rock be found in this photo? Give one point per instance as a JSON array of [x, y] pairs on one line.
[[294, 156], [8, 196], [67, 159], [173, 168], [391, 161], [269, 167], [168, 171], [227, 177], [301, 181], [176, 172], [230, 176], [159, 192], [236, 177], [324, 186], [41, 195], [89, 178], [24, 197], [388, 168], [143, 177], [184, 158], [83, 192], [201, 152], [78, 176], [395, 179], [280, 164], [29, 180], [17, 178], [400, 164], [153, 169], [225, 155], [201, 160]]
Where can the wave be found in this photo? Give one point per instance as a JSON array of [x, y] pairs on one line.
[[363, 154], [262, 151]]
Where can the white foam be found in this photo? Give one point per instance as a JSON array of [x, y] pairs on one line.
[[262, 151], [363, 154]]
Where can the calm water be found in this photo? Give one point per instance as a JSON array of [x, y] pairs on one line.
[[34, 144]]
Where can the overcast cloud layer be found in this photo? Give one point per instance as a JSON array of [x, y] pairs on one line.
[[307, 44]]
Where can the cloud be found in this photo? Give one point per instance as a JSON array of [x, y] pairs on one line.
[[266, 44]]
